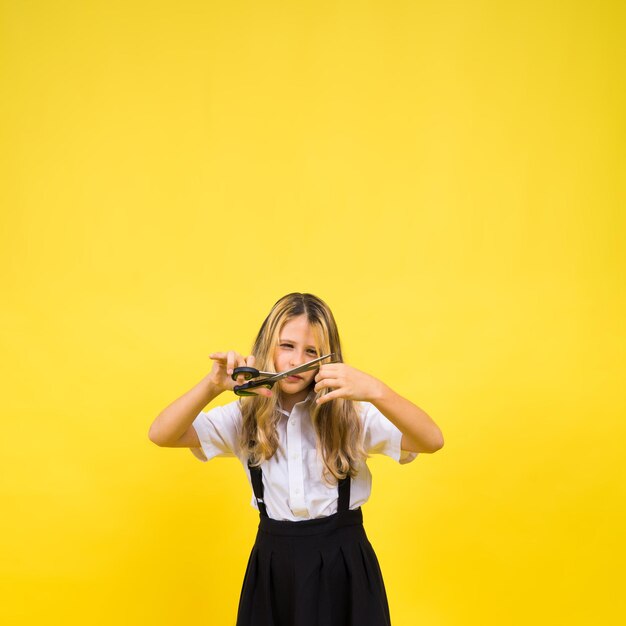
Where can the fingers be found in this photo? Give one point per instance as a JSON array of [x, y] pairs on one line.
[[332, 383], [231, 359], [329, 368], [243, 362], [332, 376], [329, 396], [330, 372]]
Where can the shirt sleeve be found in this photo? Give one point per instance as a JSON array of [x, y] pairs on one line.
[[218, 431], [382, 436]]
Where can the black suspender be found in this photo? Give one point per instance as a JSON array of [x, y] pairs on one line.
[[257, 485], [343, 503], [256, 475]]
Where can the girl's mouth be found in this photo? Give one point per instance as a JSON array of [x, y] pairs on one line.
[[293, 379]]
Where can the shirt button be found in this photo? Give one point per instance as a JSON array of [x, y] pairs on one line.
[[295, 456], [292, 423], [297, 491]]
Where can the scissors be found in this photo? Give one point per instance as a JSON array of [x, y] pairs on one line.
[[268, 379]]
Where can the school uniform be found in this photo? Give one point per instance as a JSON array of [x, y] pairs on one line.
[[312, 563]]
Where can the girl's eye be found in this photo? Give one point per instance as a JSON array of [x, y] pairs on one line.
[[310, 350]]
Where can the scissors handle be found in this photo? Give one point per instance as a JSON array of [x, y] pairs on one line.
[[241, 390], [247, 372], [250, 372]]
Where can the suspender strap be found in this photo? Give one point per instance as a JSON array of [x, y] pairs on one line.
[[343, 503], [256, 475], [257, 486]]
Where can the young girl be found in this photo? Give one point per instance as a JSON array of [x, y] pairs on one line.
[[303, 445]]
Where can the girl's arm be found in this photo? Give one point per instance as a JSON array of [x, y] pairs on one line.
[[174, 422], [172, 427], [419, 431]]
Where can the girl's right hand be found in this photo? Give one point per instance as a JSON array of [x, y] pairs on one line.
[[223, 365]]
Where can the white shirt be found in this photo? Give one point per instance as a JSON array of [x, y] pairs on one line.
[[292, 479]]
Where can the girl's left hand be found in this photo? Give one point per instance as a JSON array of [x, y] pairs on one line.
[[346, 382]]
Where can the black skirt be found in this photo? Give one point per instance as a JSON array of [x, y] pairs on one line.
[[318, 572]]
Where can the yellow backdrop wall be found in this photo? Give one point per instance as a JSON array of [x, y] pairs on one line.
[[448, 176]]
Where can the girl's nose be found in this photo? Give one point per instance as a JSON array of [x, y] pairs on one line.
[[296, 359]]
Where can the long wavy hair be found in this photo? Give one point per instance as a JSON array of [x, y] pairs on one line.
[[338, 427]]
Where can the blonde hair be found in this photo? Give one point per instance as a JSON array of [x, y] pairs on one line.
[[338, 426]]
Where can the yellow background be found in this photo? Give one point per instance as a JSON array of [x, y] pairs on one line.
[[448, 176]]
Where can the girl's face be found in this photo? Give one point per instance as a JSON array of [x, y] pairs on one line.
[[296, 345]]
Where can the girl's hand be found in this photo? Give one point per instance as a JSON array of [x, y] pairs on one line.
[[346, 382], [223, 365]]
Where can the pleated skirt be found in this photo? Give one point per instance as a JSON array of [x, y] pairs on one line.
[[320, 572]]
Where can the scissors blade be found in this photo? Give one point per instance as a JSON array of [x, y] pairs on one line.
[[305, 367]]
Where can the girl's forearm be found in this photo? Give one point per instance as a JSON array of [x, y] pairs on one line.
[[175, 419], [421, 432]]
